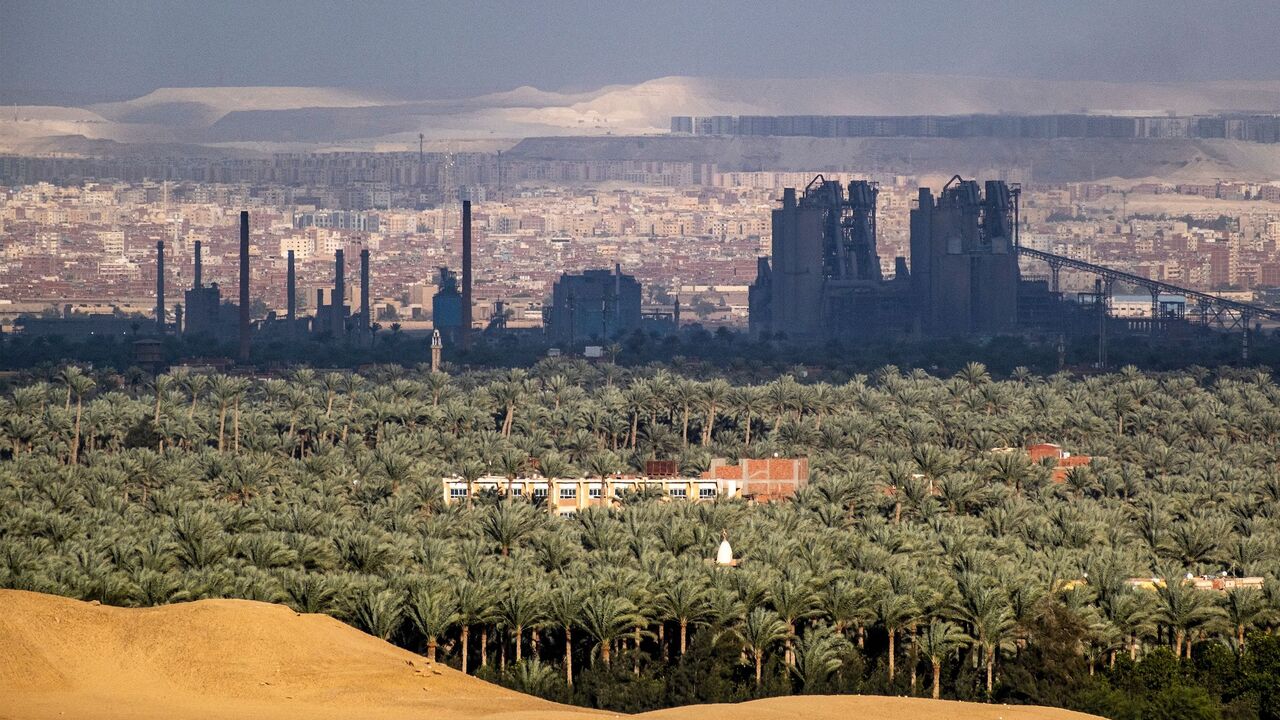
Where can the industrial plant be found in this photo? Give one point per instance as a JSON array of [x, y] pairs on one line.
[[823, 280]]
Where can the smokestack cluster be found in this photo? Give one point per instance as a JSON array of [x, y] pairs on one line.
[[339, 294], [244, 286], [160, 287], [466, 274], [364, 292]]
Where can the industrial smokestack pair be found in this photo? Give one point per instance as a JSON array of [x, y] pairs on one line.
[[340, 291]]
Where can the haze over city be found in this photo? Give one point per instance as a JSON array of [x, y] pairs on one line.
[[709, 359]]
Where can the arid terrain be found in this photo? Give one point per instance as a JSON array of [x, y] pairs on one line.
[[62, 658]]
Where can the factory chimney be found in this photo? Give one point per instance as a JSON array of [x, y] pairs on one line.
[[160, 287], [338, 304], [291, 291], [199, 269], [466, 274], [244, 286], [364, 293]]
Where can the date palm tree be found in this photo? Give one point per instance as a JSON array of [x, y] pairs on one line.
[[938, 641], [433, 609], [685, 600], [607, 617], [564, 608], [761, 630]]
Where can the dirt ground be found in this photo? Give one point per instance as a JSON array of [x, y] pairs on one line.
[[225, 659]]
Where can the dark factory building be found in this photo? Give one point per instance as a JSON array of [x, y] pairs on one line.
[[594, 306], [204, 312], [446, 306], [330, 319], [824, 280], [964, 268]]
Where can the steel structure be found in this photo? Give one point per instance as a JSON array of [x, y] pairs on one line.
[[849, 243], [1210, 309]]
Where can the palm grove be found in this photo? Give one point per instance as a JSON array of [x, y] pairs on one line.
[[916, 562]]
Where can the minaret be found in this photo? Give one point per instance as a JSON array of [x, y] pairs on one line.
[[436, 346], [160, 325], [724, 554]]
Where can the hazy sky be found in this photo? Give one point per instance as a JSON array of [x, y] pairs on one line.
[[68, 50]]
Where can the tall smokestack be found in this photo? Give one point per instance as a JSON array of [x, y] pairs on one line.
[[290, 290], [244, 286], [339, 294], [199, 268], [364, 291], [466, 274], [160, 287]]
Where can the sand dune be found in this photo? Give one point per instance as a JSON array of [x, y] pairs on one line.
[[224, 659], [284, 118]]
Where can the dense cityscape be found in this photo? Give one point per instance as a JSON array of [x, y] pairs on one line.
[[91, 245], [691, 361]]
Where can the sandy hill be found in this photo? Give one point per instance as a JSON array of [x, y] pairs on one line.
[[314, 118], [63, 658]]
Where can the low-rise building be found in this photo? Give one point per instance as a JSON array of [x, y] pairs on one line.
[[760, 480]]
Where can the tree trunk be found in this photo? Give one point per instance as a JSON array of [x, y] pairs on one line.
[[519, 633], [484, 646], [604, 653], [431, 649], [788, 655], [684, 628], [891, 661], [937, 680], [759, 663], [466, 634], [75, 443], [235, 425], [568, 656], [914, 662], [991, 666]]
